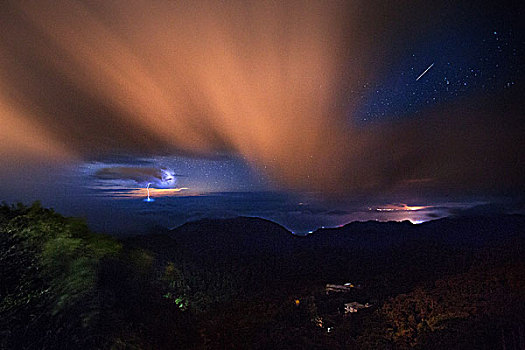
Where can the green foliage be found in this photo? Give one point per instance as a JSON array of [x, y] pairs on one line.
[[174, 284], [142, 261], [49, 273], [66, 287]]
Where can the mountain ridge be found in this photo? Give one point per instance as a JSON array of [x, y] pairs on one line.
[[253, 235]]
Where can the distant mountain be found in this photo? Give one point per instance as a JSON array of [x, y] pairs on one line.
[[368, 234], [474, 231], [466, 231], [247, 235], [255, 236]]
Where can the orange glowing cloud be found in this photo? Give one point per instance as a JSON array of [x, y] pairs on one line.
[[20, 139], [267, 80], [260, 79], [402, 207], [143, 192]]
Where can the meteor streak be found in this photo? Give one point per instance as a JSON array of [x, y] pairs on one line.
[[426, 70]]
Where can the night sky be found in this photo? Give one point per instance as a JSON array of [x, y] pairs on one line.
[[306, 113]]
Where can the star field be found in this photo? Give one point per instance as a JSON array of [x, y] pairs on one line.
[[479, 66]]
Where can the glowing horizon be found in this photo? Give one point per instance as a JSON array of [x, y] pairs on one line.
[[142, 192], [402, 207]]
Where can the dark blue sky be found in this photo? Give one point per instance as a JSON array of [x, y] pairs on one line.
[[473, 56]]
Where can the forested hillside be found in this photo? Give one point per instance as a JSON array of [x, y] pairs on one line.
[[248, 283]]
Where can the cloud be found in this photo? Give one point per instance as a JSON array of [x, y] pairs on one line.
[[269, 81], [338, 212], [158, 177], [494, 208], [129, 173]]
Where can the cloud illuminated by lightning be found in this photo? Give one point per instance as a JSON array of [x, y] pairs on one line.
[[402, 207], [142, 192]]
